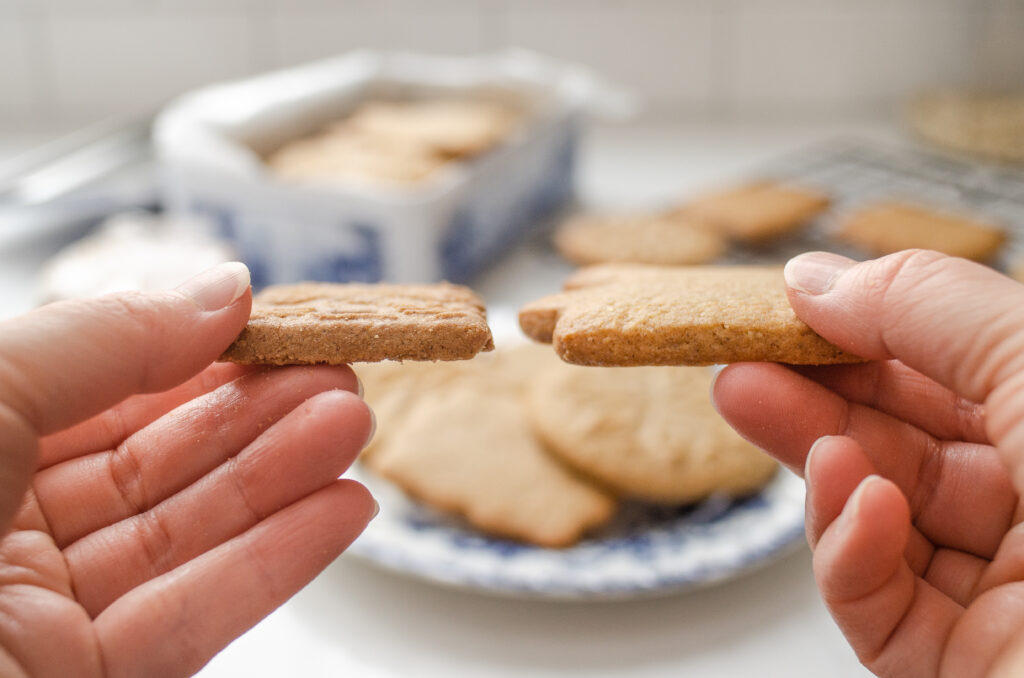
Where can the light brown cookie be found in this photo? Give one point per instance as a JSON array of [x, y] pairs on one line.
[[638, 238], [987, 125], [759, 211], [450, 127], [629, 315], [344, 156], [890, 226], [646, 432], [455, 436], [342, 323]]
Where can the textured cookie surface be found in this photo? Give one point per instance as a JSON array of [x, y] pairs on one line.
[[639, 238], [341, 323], [630, 315], [646, 432], [758, 211], [455, 436], [887, 227]]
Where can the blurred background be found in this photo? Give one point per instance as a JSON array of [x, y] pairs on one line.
[[71, 61], [700, 93]]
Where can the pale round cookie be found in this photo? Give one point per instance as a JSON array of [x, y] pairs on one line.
[[637, 238], [455, 436], [645, 432]]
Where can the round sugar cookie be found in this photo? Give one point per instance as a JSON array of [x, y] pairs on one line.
[[649, 433], [639, 238], [455, 436]]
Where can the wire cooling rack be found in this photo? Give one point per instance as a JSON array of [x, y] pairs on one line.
[[854, 173]]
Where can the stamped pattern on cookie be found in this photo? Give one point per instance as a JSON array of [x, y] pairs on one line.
[[630, 315], [330, 323]]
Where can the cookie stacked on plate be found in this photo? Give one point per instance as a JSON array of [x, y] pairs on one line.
[[527, 447], [395, 142]]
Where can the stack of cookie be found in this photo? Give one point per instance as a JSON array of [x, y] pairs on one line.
[[524, 446], [395, 142]]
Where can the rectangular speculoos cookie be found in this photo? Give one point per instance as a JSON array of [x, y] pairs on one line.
[[309, 323], [891, 226], [630, 315]]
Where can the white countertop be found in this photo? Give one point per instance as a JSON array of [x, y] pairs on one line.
[[355, 620]]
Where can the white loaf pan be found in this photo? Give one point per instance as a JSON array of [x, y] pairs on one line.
[[449, 226]]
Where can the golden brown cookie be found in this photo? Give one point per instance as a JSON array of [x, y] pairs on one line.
[[330, 323], [987, 125], [640, 238], [758, 211], [455, 436], [629, 315], [450, 127], [343, 156], [649, 433], [890, 226]]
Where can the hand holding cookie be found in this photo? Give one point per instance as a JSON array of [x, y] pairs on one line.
[[914, 462], [153, 507]]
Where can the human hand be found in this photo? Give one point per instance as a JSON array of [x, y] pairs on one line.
[[143, 533], [914, 463]]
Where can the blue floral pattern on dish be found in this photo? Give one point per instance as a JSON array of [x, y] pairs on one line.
[[647, 550]]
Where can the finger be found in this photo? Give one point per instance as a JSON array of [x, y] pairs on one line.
[[303, 452], [177, 622], [82, 495], [890, 386], [955, 321], [67, 361], [109, 428], [836, 466], [895, 622], [960, 493]]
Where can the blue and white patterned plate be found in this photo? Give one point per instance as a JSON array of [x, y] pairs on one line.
[[646, 551]]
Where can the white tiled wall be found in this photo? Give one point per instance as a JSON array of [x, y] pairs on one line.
[[80, 59]]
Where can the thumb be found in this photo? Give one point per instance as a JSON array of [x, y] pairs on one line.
[[67, 361], [958, 322]]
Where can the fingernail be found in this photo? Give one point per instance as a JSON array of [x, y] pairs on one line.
[[854, 504], [815, 272], [359, 387], [376, 509], [217, 287], [810, 453]]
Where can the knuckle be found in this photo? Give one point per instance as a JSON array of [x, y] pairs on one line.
[[157, 543], [127, 476]]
